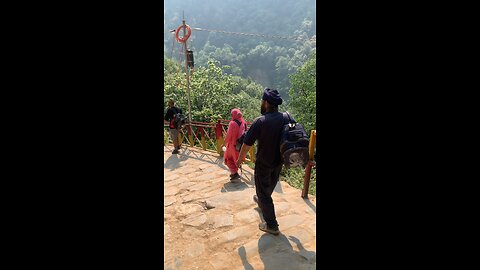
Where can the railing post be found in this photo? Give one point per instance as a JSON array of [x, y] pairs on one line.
[[180, 135], [308, 169], [166, 133], [190, 136], [165, 136], [311, 146], [201, 130], [219, 136], [306, 180]]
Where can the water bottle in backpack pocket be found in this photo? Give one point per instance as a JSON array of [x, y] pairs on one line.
[[293, 143]]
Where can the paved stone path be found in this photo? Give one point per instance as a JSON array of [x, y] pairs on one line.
[[211, 224]]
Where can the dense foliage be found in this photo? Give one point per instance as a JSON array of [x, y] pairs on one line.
[[266, 61], [303, 93], [213, 93]]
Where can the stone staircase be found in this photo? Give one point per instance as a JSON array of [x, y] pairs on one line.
[[211, 223]]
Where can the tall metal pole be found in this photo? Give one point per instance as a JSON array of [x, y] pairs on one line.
[[188, 79]]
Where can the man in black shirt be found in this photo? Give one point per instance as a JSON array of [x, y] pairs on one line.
[[267, 130], [169, 116]]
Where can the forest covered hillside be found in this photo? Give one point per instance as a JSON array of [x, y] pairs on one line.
[[265, 61]]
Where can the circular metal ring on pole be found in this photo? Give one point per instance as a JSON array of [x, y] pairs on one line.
[[187, 35]]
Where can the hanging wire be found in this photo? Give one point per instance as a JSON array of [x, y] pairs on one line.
[[255, 35]]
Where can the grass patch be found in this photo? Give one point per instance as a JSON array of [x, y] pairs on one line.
[[294, 177], [249, 164]]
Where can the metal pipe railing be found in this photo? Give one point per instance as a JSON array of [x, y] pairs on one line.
[[219, 130], [198, 136]]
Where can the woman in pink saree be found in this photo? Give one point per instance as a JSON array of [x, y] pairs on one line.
[[236, 127]]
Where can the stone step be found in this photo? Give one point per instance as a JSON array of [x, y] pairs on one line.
[[201, 177], [185, 170], [195, 220], [220, 261], [210, 169], [235, 234], [232, 200], [255, 246], [289, 221], [170, 191], [246, 216], [185, 185], [188, 209], [281, 260], [276, 252], [195, 249], [199, 186], [168, 201], [222, 221], [281, 208], [299, 237]]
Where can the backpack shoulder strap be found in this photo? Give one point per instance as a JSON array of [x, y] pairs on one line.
[[288, 118], [238, 122], [291, 118]]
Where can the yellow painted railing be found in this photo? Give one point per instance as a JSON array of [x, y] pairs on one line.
[[210, 137], [311, 163], [207, 136]]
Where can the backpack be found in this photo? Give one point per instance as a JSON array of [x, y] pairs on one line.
[[239, 142], [293, 143], [178, 119]]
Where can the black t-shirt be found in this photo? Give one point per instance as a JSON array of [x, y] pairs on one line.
[[267, 130], [170, 113]]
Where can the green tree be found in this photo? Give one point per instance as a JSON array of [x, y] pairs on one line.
[[303, 94], [213, 93]]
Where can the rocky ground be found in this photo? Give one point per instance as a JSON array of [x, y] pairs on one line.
[[211, 223]]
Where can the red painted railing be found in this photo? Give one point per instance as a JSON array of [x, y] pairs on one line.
[[208, 136]]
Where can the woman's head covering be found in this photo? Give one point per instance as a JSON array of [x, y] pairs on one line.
[[236, 114]]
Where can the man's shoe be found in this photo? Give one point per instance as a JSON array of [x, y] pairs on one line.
[[175, 151], [263, 227]]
